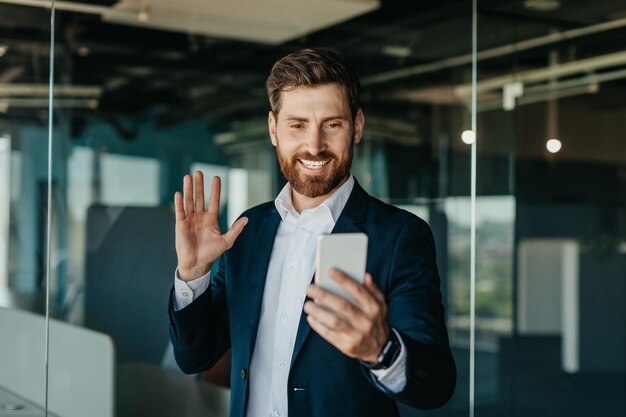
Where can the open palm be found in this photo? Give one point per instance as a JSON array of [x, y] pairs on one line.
[[199, 240]]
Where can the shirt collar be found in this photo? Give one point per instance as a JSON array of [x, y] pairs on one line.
[[335, 203]]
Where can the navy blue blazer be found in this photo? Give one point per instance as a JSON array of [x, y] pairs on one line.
[[401, 259]]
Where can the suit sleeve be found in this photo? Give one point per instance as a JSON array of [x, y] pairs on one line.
[[200, 332], [416, 312]]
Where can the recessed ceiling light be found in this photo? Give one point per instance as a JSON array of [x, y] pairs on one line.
[[3, 49], [542, 5]]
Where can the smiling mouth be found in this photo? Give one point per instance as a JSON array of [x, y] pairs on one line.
[[313, 164]]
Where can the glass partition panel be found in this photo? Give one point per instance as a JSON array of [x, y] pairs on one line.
[[551, 141], [151, 95], [24, 65]]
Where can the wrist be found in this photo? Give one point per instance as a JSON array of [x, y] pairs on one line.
[[388, 354], [373, 358], [190, 274]]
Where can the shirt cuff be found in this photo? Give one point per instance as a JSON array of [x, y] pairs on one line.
[[394, 377], [185, 292]]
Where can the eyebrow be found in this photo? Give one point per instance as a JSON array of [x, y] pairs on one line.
[[304, 119]]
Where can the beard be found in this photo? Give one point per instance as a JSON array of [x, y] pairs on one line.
[[314, 186]]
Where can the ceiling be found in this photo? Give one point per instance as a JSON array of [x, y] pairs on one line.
[[120, 69], [268, 21]]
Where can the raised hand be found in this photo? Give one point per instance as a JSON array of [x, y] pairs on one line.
[[199, 240]]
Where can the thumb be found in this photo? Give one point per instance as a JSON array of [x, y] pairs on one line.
[[235, 231]]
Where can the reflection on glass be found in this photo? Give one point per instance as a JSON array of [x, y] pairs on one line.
[[97, 178], [495, 218]]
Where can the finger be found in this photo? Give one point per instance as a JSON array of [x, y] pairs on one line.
[[362, 296], [235, 231], [187, 194], [336, 303], [327, 317], [199, 191], [214, 199], [338, 339], [179, 207], [373, 289], [322, 330]]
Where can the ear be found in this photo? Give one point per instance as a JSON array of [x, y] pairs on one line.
[[359, 123], [271, 123]]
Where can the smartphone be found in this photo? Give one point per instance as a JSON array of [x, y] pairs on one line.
[[344, 251]]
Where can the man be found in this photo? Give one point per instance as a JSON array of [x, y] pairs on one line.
[[390, 344]]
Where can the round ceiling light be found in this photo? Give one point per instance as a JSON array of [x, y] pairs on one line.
[[553, 145], [468, 137]]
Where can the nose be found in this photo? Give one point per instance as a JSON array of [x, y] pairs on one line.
[[315, 141]]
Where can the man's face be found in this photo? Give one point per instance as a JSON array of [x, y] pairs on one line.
[[314, 134]]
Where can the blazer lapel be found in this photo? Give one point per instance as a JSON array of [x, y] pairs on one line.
[[258, 272], [349, 221]]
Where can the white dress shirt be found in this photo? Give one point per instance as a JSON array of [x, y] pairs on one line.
[[290, 271]]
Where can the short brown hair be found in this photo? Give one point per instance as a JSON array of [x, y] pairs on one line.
[[310, 67]]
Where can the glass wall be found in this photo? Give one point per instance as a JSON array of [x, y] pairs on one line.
[[145, 94], [550, 120]]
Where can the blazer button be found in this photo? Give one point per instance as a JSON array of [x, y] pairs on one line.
[[244, 374]]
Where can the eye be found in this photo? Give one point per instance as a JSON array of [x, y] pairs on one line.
[[334, 125], [295, 126]]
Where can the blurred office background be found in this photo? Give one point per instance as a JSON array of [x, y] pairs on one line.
[[149, 90]]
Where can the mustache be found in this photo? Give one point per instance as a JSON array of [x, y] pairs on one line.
[[322, 156]]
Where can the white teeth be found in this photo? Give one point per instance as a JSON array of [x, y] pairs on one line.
[[313, 164]]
